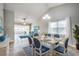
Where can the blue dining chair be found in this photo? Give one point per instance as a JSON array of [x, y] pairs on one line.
[[36, 34], [30, 41], [49, 35], [2, 38], [56, 35], [31, 44], [62, 50], [40, 50]]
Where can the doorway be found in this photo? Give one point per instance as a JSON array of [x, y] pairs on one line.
[[21, 30]]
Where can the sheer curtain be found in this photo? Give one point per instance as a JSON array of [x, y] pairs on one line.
[[61, 27]]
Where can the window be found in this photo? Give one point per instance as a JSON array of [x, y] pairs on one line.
[[52, 27], [58, 27]]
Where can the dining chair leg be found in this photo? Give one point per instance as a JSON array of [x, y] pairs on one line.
[[53, 53], [67, 53], [50, 53], [34, 52]]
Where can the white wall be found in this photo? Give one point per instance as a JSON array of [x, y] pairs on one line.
[[9, 24], [43, 26], [1, 10]]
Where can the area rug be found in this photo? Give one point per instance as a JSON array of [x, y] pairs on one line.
[[27, 51]]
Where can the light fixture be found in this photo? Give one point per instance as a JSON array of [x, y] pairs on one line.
[[46, 17]]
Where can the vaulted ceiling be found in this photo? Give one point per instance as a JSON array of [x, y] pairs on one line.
[[29, 10]]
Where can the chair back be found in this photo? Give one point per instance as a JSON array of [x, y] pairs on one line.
[[2, 38], [36, 34], [57, 36], [49, 35], [30, 40], [36, 43], [66, 43]]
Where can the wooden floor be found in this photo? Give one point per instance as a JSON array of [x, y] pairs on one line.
[[17, 49]]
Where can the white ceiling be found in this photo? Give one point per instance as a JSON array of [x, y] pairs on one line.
[[29, 10]]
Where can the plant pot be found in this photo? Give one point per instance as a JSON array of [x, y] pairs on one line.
[[77, 45]]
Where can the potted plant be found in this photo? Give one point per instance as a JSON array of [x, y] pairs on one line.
[[76, 35]]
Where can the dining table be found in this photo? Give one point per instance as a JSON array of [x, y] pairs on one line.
[[49, 40]]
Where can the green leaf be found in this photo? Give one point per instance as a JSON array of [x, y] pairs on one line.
[[76, 33]]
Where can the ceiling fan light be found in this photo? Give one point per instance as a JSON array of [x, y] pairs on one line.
[[46, 17]]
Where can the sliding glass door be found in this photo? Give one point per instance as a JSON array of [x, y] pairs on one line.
[[22, 29]]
